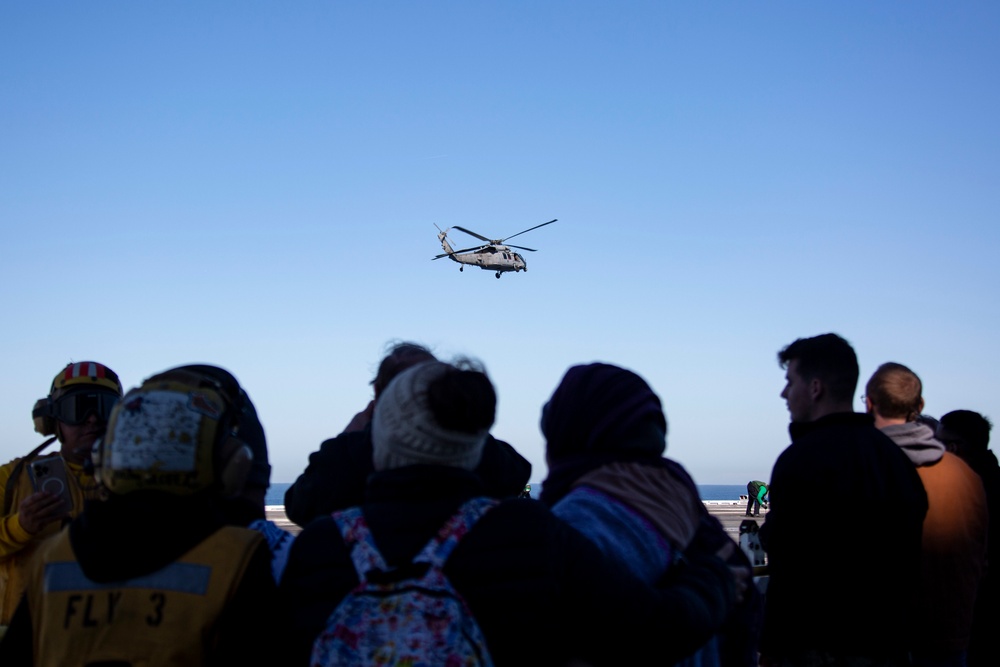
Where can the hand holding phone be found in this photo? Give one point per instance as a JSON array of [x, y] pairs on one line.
[[49, 474]]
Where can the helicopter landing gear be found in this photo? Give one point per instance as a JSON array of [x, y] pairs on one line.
[[461, 268], [498, 275]]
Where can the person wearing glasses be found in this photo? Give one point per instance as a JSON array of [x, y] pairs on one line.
[[43, 491]]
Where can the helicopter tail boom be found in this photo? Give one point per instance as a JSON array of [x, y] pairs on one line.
[[448, 250]]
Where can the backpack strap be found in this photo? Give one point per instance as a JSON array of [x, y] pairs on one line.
[[354, 529], [440, 547], [366, 557]]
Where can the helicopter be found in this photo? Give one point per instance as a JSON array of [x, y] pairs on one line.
[[492, 256]]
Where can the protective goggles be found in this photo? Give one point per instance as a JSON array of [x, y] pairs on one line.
[[76, 407]]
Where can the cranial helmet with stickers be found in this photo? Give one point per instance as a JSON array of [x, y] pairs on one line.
[[179, 433], [78, 391]]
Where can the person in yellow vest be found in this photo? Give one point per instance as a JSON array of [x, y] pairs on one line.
[[75, 413], [155, 573]]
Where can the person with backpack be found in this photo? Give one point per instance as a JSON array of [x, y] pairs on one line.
[[429, 557], [75, 413]]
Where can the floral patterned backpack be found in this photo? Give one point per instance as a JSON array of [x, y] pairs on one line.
[[410, 615]]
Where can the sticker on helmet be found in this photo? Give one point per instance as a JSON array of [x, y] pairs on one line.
[[157, 431]]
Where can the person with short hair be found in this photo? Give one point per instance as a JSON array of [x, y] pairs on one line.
[[155, 573], [75, 413], [541, 592], [967, 434], [824, 606], [953, 559], [336, 474]]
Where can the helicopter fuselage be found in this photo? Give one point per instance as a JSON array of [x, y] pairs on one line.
[[493, 255], [493, 258], [497, 258]]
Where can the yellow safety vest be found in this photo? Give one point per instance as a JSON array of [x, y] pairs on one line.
[[13, 567], [167, 617]]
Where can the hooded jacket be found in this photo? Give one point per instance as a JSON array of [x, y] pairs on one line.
[[953, 557]]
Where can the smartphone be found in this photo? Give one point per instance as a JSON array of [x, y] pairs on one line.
[[49, 474]]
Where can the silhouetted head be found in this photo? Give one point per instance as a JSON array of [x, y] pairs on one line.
[[399, 357], [78, 406], [600, 408], [965, 432], [178, 433], [821, 374], [895, 392], [433, 413]]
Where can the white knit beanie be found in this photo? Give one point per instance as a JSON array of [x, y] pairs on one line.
[[404, 431]]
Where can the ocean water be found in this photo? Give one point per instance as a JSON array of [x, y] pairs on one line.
[[276, 494]]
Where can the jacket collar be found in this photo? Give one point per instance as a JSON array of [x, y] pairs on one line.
[[799, 429]]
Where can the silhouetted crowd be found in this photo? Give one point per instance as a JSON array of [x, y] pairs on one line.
[[143, 539]]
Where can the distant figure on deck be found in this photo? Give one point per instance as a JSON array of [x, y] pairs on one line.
[[824, 606], [540, 591], [955, 528], [967, 434], [336, 475], [75, 413], [756, 496], [605, 434], [155, 574]]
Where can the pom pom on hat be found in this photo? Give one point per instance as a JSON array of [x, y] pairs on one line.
[[405, 431]]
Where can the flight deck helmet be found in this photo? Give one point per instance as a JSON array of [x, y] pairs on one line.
[[78, 390]]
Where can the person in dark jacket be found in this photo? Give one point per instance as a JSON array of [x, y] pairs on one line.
[[541, 592], [967, 434], [605, 436], [337, 473], [824, 606]]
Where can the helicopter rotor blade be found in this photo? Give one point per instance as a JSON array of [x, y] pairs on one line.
[[481, 238], [459, 252], [521, 247], [525, 231]]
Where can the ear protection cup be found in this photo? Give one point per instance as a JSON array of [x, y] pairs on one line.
[[41, 415], [234, 458], [235, 468], [90, 374]]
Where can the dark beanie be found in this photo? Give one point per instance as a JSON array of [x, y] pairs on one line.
[[594, 406]]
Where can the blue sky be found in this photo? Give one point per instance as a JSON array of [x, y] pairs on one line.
[[256, 184]]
